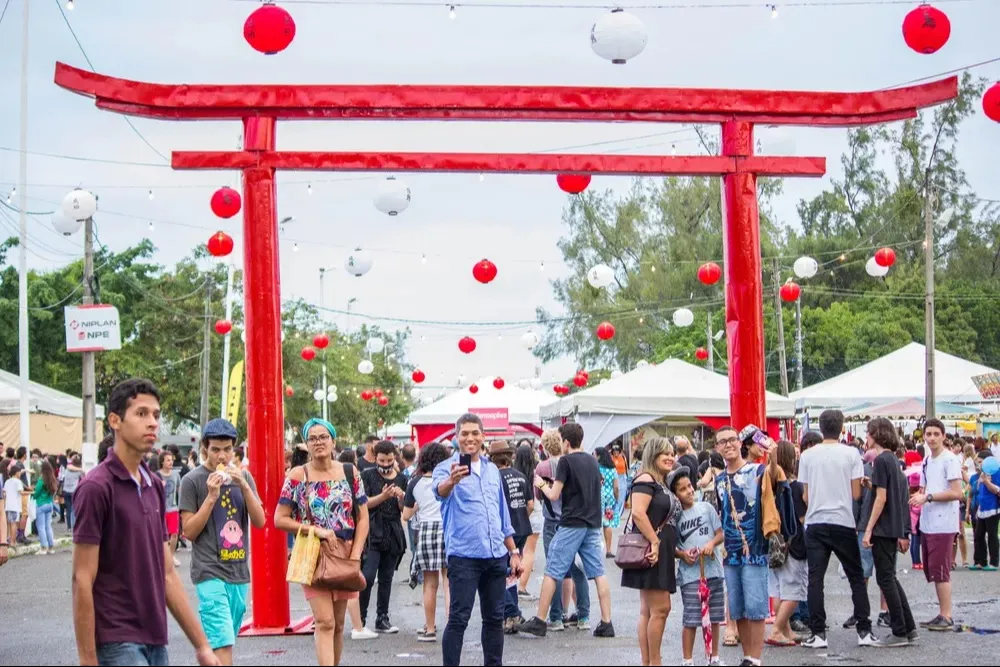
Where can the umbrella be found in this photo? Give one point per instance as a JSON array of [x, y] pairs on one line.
[[706, 621]]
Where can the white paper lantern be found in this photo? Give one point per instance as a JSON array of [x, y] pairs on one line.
[[805, 267], [65, 226], [79, 205], [524, 383], [359, 262], [616, 374], [415, 393], [536, 383], [332, 389], [461, 380], [530, 340], [366, 367], [318, 394], [875, 270], [331, 397], [618, 36], [392, 196], [375, 345], [642, 363], [600, 276], [683, 317]]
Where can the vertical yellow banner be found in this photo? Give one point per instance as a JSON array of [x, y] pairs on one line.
[[235, 393]]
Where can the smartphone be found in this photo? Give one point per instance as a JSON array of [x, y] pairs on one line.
[[465, 460]]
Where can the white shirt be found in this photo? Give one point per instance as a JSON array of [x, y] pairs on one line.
[[995, 449], [936, 475], [428, 506], [828, 471], [12, 490], [477, 467]]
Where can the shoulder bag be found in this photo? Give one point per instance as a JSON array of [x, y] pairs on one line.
[[634, 550], [335, 569]]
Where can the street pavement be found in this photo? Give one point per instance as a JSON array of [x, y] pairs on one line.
[[36, 627]]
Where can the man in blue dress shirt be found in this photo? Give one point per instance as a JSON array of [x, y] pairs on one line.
[[479, 542]]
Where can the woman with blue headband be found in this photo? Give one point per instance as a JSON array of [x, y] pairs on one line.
[[330, 496]]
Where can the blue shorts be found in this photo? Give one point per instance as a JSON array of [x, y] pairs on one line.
[[746, 586], [221, 607], [867, 559], [567, 543]]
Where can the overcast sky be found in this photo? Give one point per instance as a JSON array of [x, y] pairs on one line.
[[453, 219]]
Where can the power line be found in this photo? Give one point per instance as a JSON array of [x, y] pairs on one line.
[[4, 12], [577, 6]]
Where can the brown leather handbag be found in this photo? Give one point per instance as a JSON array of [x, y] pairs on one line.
[[335, 569], [634, 550]]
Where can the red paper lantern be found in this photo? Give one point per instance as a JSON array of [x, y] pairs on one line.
[[701, 354], [220, 244], [289, 391], [226, 202], [580, 380], [790, 291], [484, 271], [473, 389], [308, 353], [991, 103], [222, 327], [573, 184], [269, 29], [709, 273], [418, 376], [467, 345], [321, 341], [885, 257], [367, 395], [383, 401], [926, 29], [585, 373], [557, 389], [605, 331], [498, 383]]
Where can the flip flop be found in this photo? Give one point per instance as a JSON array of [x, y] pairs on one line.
[[780, 643]]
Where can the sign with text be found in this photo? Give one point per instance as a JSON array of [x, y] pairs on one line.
[[494, 419], [94, 328], [988, 385]]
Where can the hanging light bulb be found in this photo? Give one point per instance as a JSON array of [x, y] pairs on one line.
[[150, 225], [673, 149], [542, 267], [653, 268], [423, 258], [69, 5], [451, 12], [309, 188], [150, 195], [774, 11], [482, 177], [499, 336], [295, 247]]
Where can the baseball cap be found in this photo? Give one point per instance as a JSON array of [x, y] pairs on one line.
[[219, 429]]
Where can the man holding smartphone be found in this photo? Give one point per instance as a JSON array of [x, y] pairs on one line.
[[479, 542]]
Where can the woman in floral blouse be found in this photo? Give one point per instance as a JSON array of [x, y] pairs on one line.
[[333, 494]]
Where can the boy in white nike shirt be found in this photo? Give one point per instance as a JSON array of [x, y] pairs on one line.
[[699, 533]]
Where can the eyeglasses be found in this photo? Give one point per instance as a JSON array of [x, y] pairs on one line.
[[727, 441], [316, 439]]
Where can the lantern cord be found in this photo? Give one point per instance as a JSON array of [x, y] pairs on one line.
[[940, 74], [93, 69], [562, 5]]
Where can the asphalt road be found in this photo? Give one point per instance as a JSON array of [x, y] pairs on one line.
[[36, 628]]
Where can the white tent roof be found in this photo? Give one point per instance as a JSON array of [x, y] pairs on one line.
[[399, 431], [40, 399], [896, 376], [673, 388], [522, 404]]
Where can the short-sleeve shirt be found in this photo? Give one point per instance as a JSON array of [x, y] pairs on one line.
[[517, 493], [696, 527], [936, 475], [828, 471], [797, 545], [222, 549], [126, 519], [171, 488], [420, 494], [739, 504], [385, 526], [330, 502], [581, 494], [894, 523]]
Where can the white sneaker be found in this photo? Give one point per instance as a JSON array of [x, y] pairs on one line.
[[815, 642], [177, 562], [868, 639], [717, 662], [363, 634], [687, 663]]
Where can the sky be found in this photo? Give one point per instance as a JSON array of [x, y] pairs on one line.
[[454, 219]]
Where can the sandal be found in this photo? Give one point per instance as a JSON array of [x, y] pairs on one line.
[[780, 643], [731, 640]]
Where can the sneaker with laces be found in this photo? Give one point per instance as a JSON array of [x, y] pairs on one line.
[[687, 663], [892, 641], [941, 624], [384, 626], [583, 624], [883, 620], [716, 661], [816, 642], [535, 626], [525, 595], [913, 636], [605, 630], [798, 627], [572, 619], [363, 634], [850, 623], [556, 626], [867, 639], [927, 624], [427, 637]]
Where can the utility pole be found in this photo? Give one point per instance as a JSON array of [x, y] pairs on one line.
[[798, 343], [206, 356], [783, 366], [22, 255], [711, 343], [89, 380], [230, 269], [322, 304], [930, 402]]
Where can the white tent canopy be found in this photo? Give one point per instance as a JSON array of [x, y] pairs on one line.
[[522, 404], [398, 431], [896, 376], [40, 399], [673, 388]]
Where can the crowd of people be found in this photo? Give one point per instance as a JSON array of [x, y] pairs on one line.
[[745, 530]]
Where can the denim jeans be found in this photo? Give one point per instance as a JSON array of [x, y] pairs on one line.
[[511, 607], [125, 654], [822, 541], [466, 577], [43, 521], [556, 611], [623, 489], [68, 509], [915, 548]]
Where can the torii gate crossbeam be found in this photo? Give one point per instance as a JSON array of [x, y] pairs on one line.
[[259, 107]]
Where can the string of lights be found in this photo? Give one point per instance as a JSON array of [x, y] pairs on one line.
[[452, 7]]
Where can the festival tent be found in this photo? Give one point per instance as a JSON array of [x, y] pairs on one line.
[[55, 419], [897, 376], [911, 408], [673, 389], [398, 432], [507, 412]]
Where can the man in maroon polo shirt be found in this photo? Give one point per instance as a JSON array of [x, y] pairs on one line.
[[123, 572]]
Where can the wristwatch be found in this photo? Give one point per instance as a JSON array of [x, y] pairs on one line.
[[930, 497]]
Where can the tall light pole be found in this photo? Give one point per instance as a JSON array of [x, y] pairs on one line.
[[22, 257], [230, 270], [930, 399], [89, 378]]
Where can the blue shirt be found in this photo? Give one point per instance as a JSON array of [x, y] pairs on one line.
[[739, 504], [475, 516], [987, 504]]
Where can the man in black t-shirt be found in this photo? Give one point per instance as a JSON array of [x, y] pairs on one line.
[[888, 530], [578, 485], [520, 502]]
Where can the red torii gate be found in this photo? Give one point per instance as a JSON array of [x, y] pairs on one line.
[[259, 107]]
